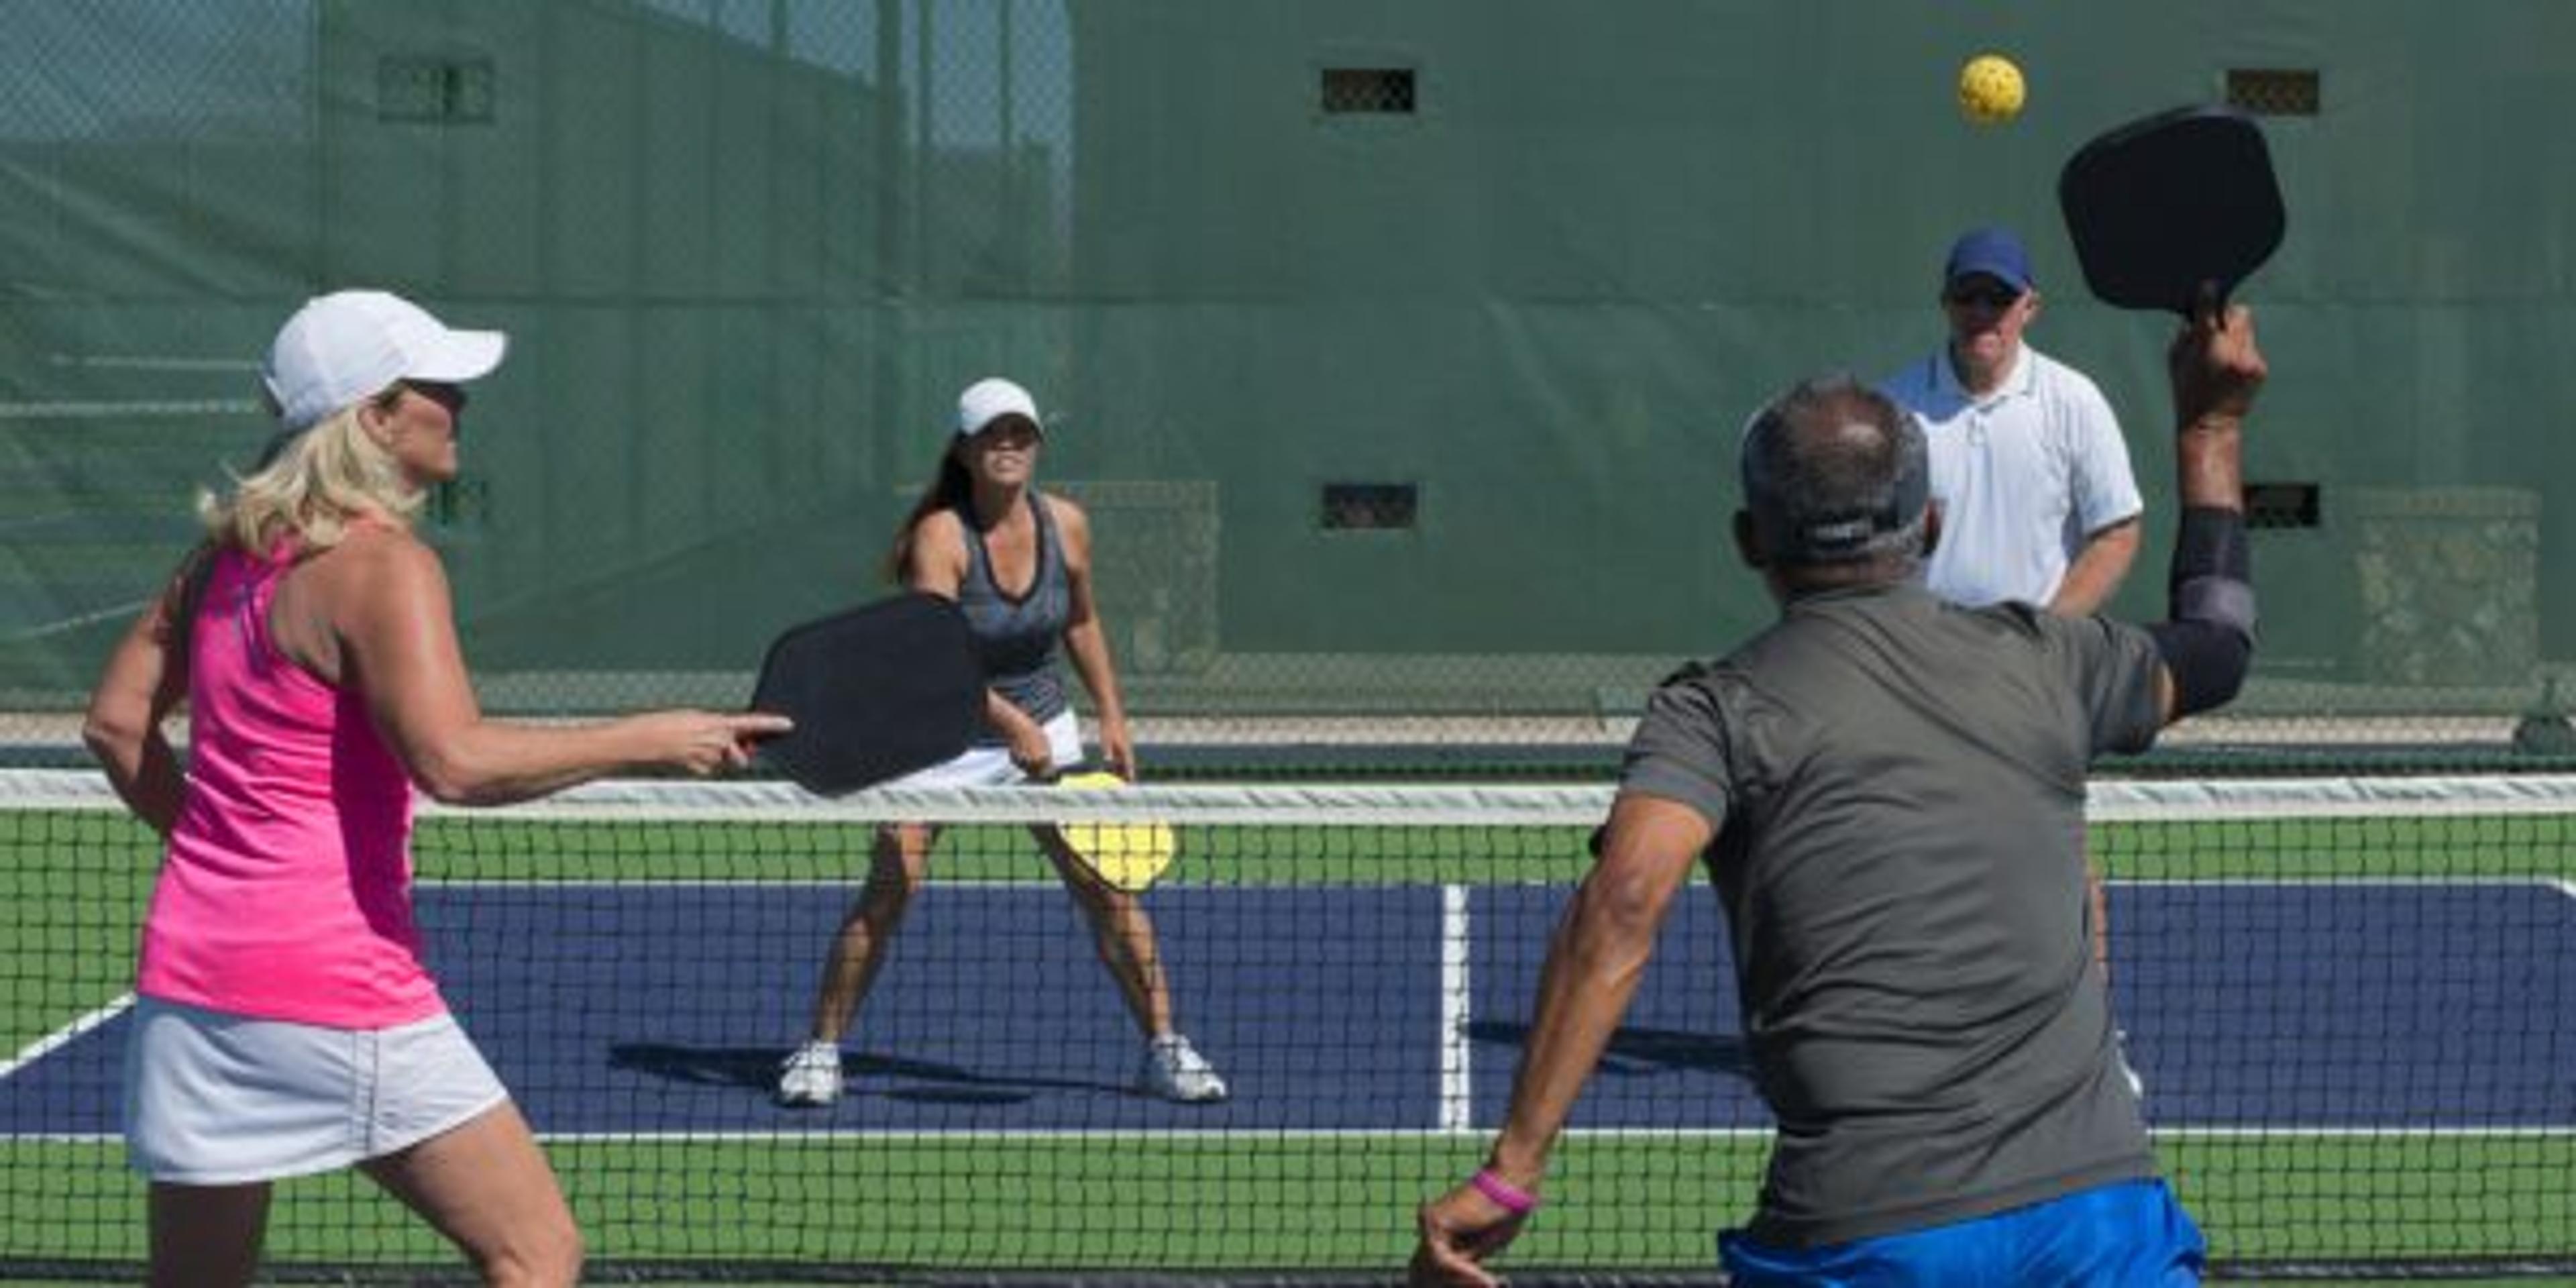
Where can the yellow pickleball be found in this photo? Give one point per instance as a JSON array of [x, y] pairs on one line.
[[1127, 856], [1990, 89]]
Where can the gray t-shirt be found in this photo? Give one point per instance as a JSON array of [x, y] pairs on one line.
[[1898, 788]]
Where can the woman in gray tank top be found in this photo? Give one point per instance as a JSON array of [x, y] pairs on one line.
[[1018, 563]]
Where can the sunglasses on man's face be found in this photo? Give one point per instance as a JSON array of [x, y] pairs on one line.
[[1990, 296]]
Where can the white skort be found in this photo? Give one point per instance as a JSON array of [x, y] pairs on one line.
[[218, 1099], [992, 767]]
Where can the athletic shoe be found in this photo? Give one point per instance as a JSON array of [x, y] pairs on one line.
[[1175, 1071], [812, 1076]]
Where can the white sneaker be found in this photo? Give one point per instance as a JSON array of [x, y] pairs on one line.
[[1175, 1071], [812, 1076]]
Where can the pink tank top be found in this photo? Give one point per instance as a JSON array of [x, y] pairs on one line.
[[286, 893]]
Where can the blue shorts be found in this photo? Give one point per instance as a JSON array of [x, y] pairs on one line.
[[2129, 1235]]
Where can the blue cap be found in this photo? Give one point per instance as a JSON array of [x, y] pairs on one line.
[[1991, 251]]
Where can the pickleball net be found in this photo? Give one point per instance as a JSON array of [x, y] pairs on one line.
[[2352, 1001]]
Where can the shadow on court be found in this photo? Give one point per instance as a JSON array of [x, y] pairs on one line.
[[891, 1077], [1639, 1050]]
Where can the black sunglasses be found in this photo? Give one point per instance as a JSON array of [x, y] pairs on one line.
[[1996, 296], [449, 396]]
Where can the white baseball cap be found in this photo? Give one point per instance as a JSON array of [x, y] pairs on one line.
[[990, 399], [349, 345]]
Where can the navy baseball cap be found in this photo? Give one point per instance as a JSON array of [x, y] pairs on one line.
[[1992, 252]]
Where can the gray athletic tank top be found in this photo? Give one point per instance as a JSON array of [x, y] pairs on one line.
[[1018, 638]]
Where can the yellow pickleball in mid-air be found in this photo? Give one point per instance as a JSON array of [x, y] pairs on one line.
[[1990, 89]]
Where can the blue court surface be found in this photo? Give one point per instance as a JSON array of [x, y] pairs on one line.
[[665, 1008]]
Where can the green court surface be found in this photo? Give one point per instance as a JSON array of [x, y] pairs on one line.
[[1330, 1203], [72, 889]]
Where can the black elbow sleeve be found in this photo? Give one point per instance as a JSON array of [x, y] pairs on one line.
[[2208, 643], [2208, 663]]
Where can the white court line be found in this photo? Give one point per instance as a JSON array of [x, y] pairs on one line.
[[1049, 880], [2356, 883], [65, 1036], [2552, 1132], [1457, 1068], [1260, 1135], [1009, 885]]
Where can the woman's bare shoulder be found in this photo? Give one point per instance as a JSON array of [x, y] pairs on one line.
[[1070, 519], [375, 563]]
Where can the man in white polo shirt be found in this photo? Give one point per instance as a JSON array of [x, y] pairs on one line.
[[2038, 504]]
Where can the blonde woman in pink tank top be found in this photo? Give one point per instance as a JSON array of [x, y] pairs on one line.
[[312, 641]]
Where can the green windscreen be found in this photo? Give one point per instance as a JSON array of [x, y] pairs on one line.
[[1398, 351]]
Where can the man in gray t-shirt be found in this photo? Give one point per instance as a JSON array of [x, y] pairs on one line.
[[1897, 787], [1888, 793]]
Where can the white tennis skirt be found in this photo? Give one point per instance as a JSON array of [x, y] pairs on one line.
[[218, 1099], [992, 767]]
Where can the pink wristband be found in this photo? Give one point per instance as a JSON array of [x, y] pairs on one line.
[[1507, 1196]]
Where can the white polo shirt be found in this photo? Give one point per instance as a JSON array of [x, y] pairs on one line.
[[2024, 475]]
